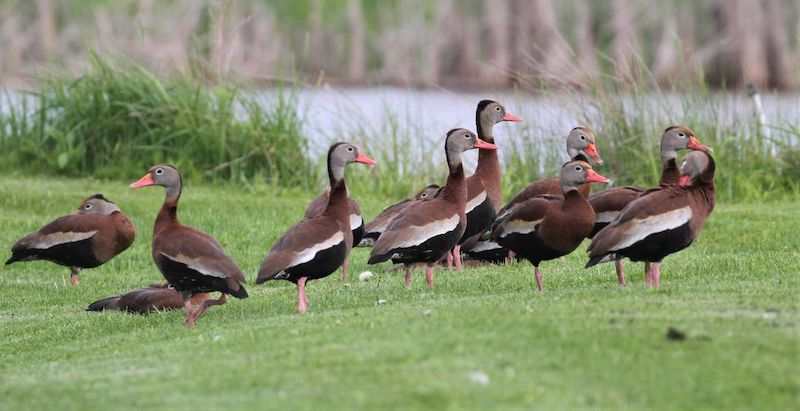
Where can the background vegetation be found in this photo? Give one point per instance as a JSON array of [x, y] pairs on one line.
[[471, 43]]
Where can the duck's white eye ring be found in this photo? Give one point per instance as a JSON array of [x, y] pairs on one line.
[[497, 108], [87, 206], [159, 171], [467, 135], [681, 134], [350, 149], [583, 137], [578, 168]]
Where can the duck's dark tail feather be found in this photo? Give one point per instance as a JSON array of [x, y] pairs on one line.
[[110, 303]]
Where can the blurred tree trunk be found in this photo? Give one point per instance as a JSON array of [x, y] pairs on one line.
[[496, 23], [356, 63], [521, 42], [587, 55], [665, 65], [47, 28], [624, 45], [551, 54], [778, 51], [748, 31]]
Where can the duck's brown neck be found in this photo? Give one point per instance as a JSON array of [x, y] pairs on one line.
[[488, 169], [169, 210], [670, 175], [455, 190], [338, 206]]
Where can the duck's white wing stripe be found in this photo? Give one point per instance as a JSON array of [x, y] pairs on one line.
[[195, 264], [355, 221], [639, 228], [416, 235], [485, 246], [62, 237], [476, 201], [606, 216], [519, 227], [309, 253]]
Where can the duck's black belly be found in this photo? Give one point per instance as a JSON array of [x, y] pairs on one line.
[[655, 247], [531, 247], [322, 265], [74, 254], [185, 279], [430, 251], [479, 219]]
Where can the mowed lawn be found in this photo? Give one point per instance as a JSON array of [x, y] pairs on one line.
[[483, 338]]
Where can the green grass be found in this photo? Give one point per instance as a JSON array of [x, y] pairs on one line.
[[584, 343]]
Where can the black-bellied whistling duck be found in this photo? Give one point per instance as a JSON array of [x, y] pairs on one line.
[[377, 226], [191, 260], [317, 207], [315, 247], [547, 227], [664, 221], [484, 188], [425, 231], [96, 233], [155, 297], [609, 203], [580, 146]]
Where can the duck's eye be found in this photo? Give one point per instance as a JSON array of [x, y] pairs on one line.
[[497, 108], [350, 149], [578, 168], [87, 206], [681, 134], [467, 135], [159, 171], [424, 195], [583, 137]]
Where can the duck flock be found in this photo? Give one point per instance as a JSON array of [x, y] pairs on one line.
[[463, 218]]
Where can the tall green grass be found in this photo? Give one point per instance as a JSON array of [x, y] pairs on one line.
[[755, 162], [119, 119]]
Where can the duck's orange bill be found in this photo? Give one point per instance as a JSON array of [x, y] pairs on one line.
[[484, 145], [147, 180], [593, 177], [696, 145], [361, 158], [511, 117], [591, 151], [685, 181]]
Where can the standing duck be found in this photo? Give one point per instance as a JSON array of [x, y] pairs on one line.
[[315, 247], [609, 203], [425, 231], [96, 233], [580, 146], [484, 188], [155, 297], [376, 227], [317, 207], [547, 227], [192, 261], [664, 221]]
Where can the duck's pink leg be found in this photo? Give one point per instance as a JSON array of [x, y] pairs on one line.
[[510, 258], [648, 274], [620, 273], [187, 307], [73, 275], [449, 257], [656, 274], [345, 273], [429, 276], [302, 302], [208, 303], [538, 274], [457, 257], [408, 276]]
